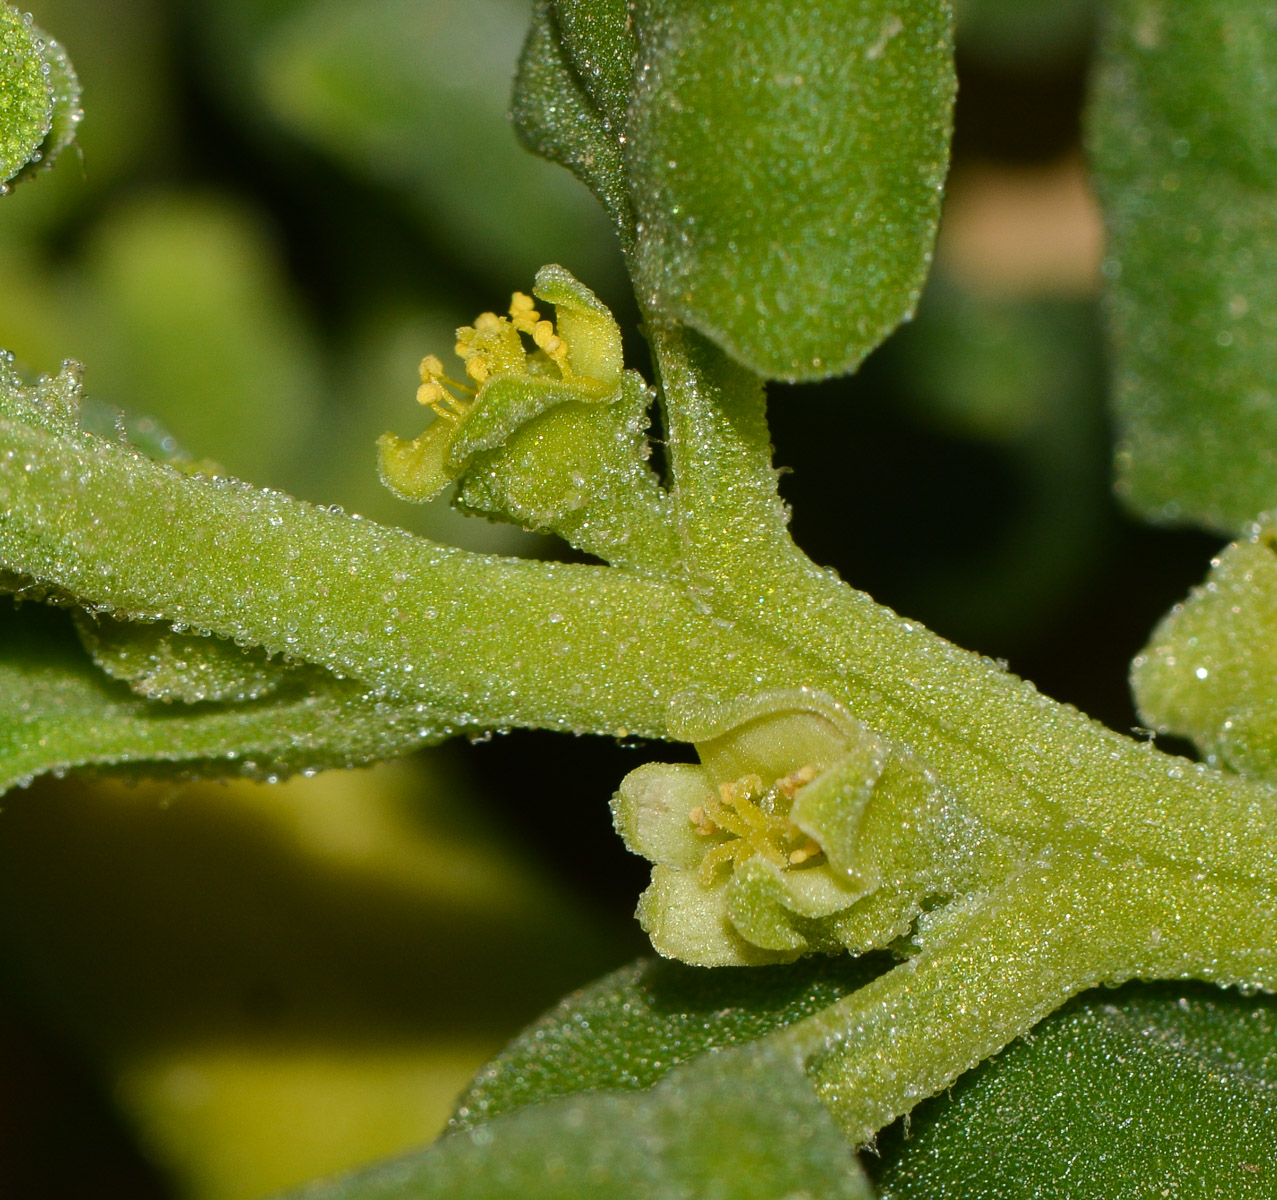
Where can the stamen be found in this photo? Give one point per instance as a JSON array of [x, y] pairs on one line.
[[701, 819], [809, 849], [523, 313], [788, 787], [747, 809], [430, 392]]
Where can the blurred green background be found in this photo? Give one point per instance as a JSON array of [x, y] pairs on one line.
[[213, 991]]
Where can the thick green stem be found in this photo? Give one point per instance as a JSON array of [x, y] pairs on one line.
[[999, 963], [490, 642]]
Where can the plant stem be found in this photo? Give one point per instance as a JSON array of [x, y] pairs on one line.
[[486, 642]]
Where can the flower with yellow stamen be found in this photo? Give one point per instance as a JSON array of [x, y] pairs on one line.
[[770, 847], [523, 363]]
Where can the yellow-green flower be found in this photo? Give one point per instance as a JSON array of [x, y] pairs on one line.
[[516, 366], [801, 830]]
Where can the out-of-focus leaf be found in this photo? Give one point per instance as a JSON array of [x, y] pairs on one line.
[[39, 97], [280, 982], [736, 1124], [1016, 35], [1185, 148], [184, 309], [1146, 1092], [415, 96], [1208, 670], [1024, 377], [193, 322], [786, 201], [631, 1027]]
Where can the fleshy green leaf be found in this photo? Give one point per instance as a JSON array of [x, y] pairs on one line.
[[631, 1027], [39, 97], [448, 632], [737, 1124], [1186, 155], [1149, 1092], [1208, 670], [58, 712], [787, 203], [556, 117], [415, 96]]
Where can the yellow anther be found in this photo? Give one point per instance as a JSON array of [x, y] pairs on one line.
[[431, 368], [749, 811], [790, 784], [487, 321], [701, 819], [523, 313], [809, 849], [477, 368], [430, 392]]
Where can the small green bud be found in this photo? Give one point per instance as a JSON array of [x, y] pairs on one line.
[[162, 664]]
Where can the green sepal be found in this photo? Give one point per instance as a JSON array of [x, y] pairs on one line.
[[585, 323], [506, 405], [650, 813], [768, 734], [160, 663], [689, 922], [581, 470], [417, 470], [832, 808], [784, 910]]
